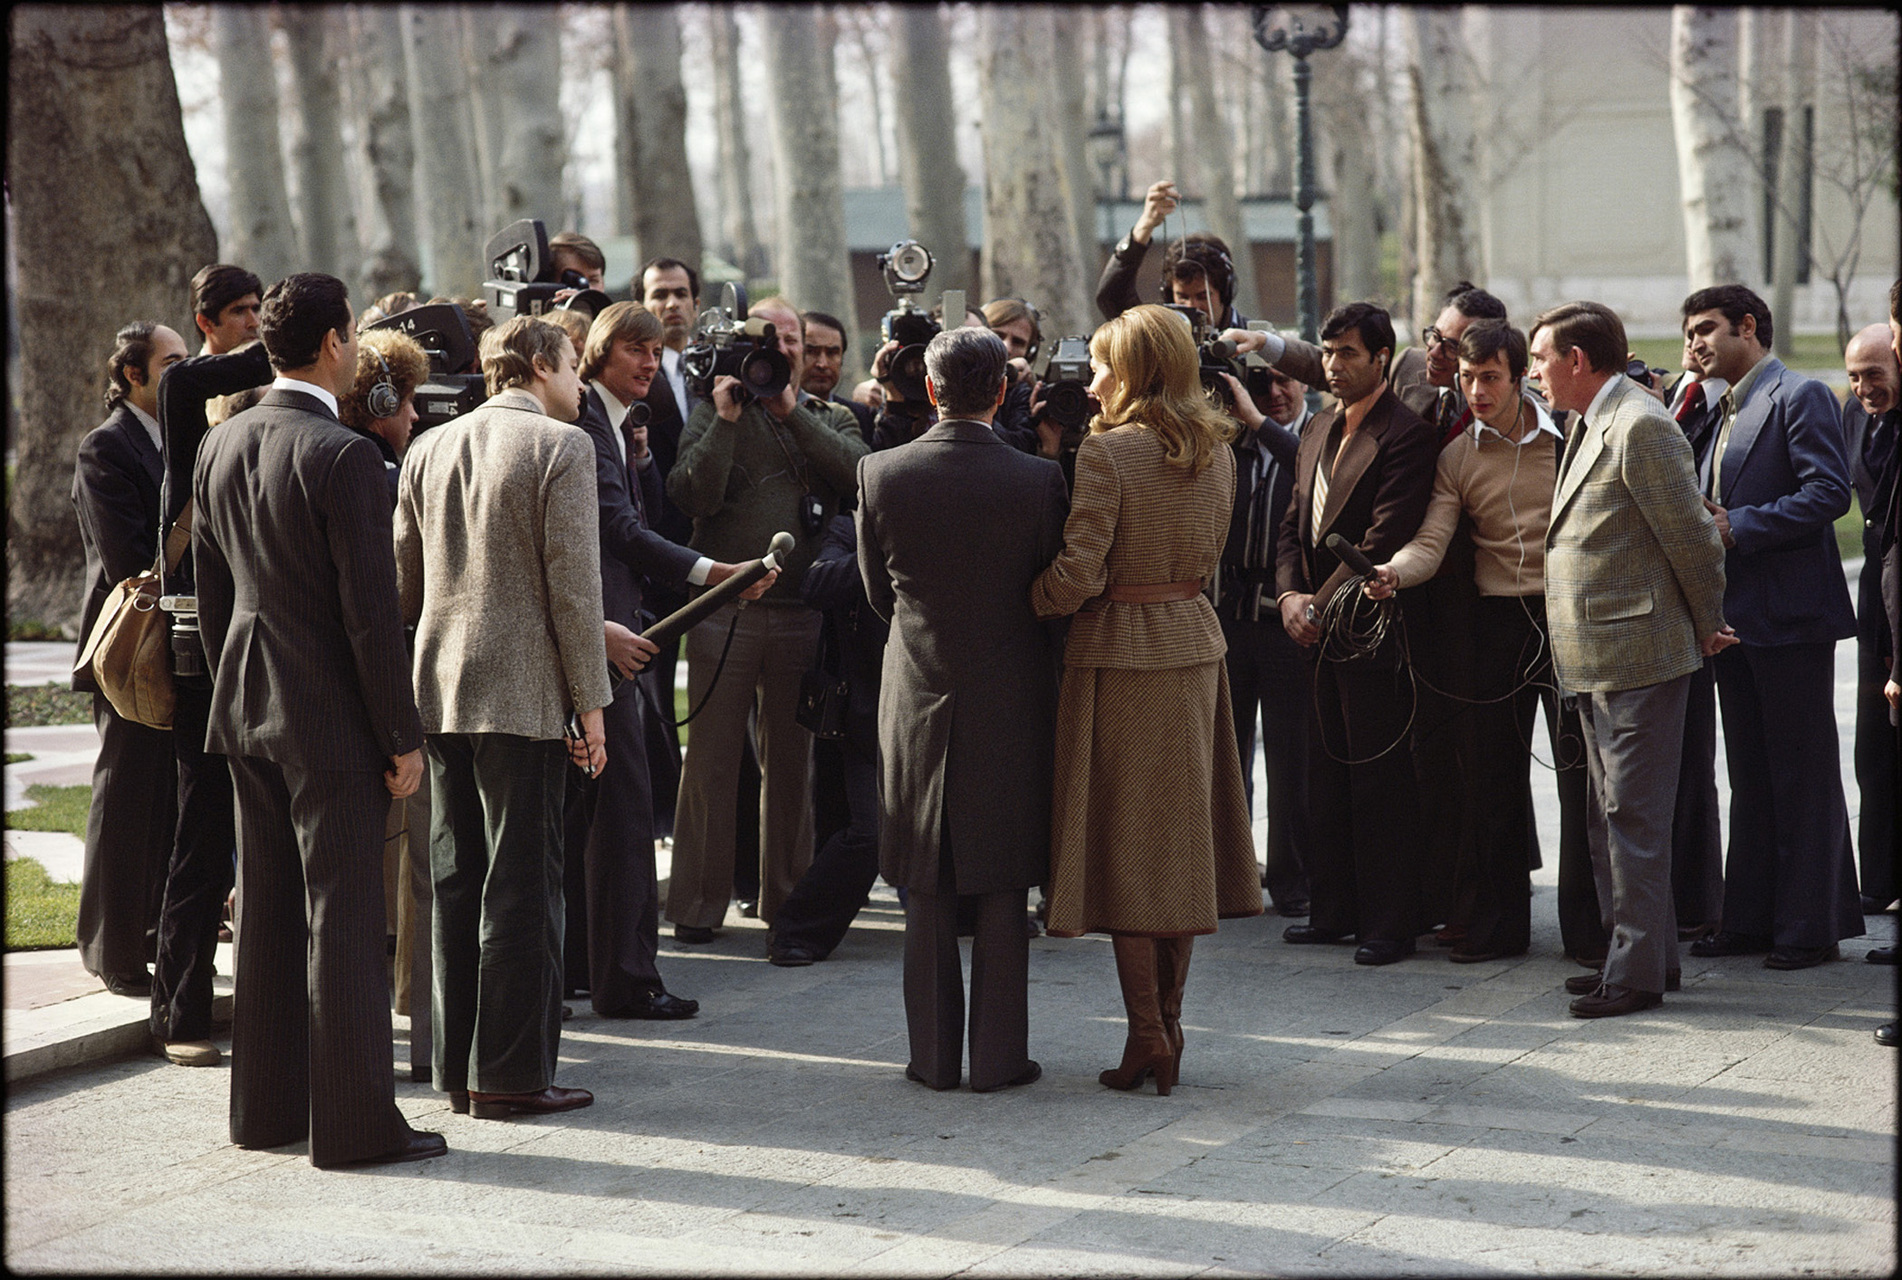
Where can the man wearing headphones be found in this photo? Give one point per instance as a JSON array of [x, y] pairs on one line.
[[1197, 271]]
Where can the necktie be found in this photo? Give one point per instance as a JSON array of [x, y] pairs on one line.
[[1692, 404], [634, 475], [1320, 495], [1727, 413]]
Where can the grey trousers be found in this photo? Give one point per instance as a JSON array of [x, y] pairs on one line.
[[1634, 740], [495, 851]]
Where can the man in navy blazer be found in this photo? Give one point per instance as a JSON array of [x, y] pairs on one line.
[[1775, 479], [311, 701]]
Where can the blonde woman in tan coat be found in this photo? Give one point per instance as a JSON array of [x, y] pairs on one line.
[[1150, 834]]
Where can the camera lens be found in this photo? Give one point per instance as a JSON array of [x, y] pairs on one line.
[[1068, 405]]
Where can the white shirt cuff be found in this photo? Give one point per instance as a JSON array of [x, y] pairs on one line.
[[697, 576]]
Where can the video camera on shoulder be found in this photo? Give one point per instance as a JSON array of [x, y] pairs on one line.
[[1215, 356], [726, 344], [1066, 388], [907, 265], [442, 331], [523, 280]]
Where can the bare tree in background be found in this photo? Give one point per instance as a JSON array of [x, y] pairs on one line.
[[441, 133], [738, 228], [869, 41], [814, 269], [388, 153], [1213, 155], [94, 136], [1072, 126], [1793, 168], [1344, 135], [1444, 155], [927, 141], [516, 79], [1714, 170], [1030, 248], [326, 224], [263, 237], [666, 218]]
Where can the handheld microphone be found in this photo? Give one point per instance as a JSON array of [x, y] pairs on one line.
[[1350, 555], [678, 622]]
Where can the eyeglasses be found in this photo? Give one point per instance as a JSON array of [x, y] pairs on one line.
[[1433, 339]]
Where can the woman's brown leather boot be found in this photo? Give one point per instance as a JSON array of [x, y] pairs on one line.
[[1147, 1049]]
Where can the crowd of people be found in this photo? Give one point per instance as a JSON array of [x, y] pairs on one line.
[[429, 749]]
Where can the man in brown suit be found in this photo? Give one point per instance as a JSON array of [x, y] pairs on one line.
[[1365, 471], [1634, 590], [953, 528], [311, 701], [500, 570]]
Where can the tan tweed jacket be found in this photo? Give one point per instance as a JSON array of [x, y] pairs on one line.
[[1136, 519], [498, 564], [1634, 569]]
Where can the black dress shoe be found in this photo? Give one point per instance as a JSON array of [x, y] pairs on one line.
[[792, 955], [499, 1106], [417, 1146], [1801, 957], [1885, 1035], [1875, 906], [1586, 983], [656, 1006], [1459, 955], [1383, 951], [1303, 933], [749, 908], [459, 1101], [1596, 961], [1692, 932], [136, 985], [1611, 1001], [1294, 910], [567, 1012], [1029, 1075], [915, 1078], [1725, 943], [1881, 955], [692, 933]]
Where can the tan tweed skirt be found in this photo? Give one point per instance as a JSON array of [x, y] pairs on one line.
[[1150, 830]]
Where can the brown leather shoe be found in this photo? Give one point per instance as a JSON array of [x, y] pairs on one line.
[[1612, 1001], [500, 1106], [1586, 983], [190, 1053]]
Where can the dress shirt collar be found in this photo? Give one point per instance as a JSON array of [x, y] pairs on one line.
[[1542, 421], [1741, 392], [1357, 412], [1604, 394], [325, 394], [147, 421], [617, 412]]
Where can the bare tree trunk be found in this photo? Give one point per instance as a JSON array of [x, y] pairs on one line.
[[666, 218], [1073, 126], [736, 161], [1444, 156], [1344, 128], [262, 237], [1181, 162], [864, 23], [474, 48], [441, 133], [389, 156], [94, 135], [1793, 166], [1214, 156], [326, 224], [927, 142], [813, 263], [517, 84], [1030, 248], [1714, 174]]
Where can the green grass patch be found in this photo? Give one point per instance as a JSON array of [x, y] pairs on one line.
[[1810, 351], [29, 706], [56, 809], [19, 757], [41, 915], [32, 629]]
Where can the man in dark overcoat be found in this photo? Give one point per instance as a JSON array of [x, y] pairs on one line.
[[952, 529]]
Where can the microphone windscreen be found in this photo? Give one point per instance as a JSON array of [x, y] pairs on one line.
[[1350, 555], [781, 545]]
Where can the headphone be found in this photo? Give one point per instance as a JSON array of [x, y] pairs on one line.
[[1210, 258], [1036, 325], [382, 400]]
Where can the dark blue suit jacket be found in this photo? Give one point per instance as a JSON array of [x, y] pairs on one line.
[[1785, 479], [630, 550]]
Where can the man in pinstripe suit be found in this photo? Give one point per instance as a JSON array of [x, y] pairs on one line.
[[1634, 588], [296, 576]]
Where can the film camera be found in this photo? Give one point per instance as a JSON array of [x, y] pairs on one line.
[[1066, 388], [1215, 356], [726, 344], [907, 266], [442, 331], [523, 281]]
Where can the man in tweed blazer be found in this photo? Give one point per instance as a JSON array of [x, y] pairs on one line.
[[1634, 590], [311, 701], [499, 568]]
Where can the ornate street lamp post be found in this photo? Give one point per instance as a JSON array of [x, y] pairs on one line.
[[1302, 29], [1106, 148]]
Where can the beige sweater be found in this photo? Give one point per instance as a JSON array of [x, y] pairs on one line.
[[1506, 489]]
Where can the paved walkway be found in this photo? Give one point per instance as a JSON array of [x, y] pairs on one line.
[[1421, 1118]]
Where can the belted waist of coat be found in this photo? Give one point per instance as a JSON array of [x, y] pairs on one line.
[[1153, 592]]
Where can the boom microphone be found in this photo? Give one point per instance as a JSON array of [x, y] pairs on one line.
[[676, 623], [1350, 555]]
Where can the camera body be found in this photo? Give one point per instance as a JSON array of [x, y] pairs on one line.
[[522, 277], [1066, 387], [188, 645], [726, 344], [907, 266], [1215, 356], [442, 331]]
